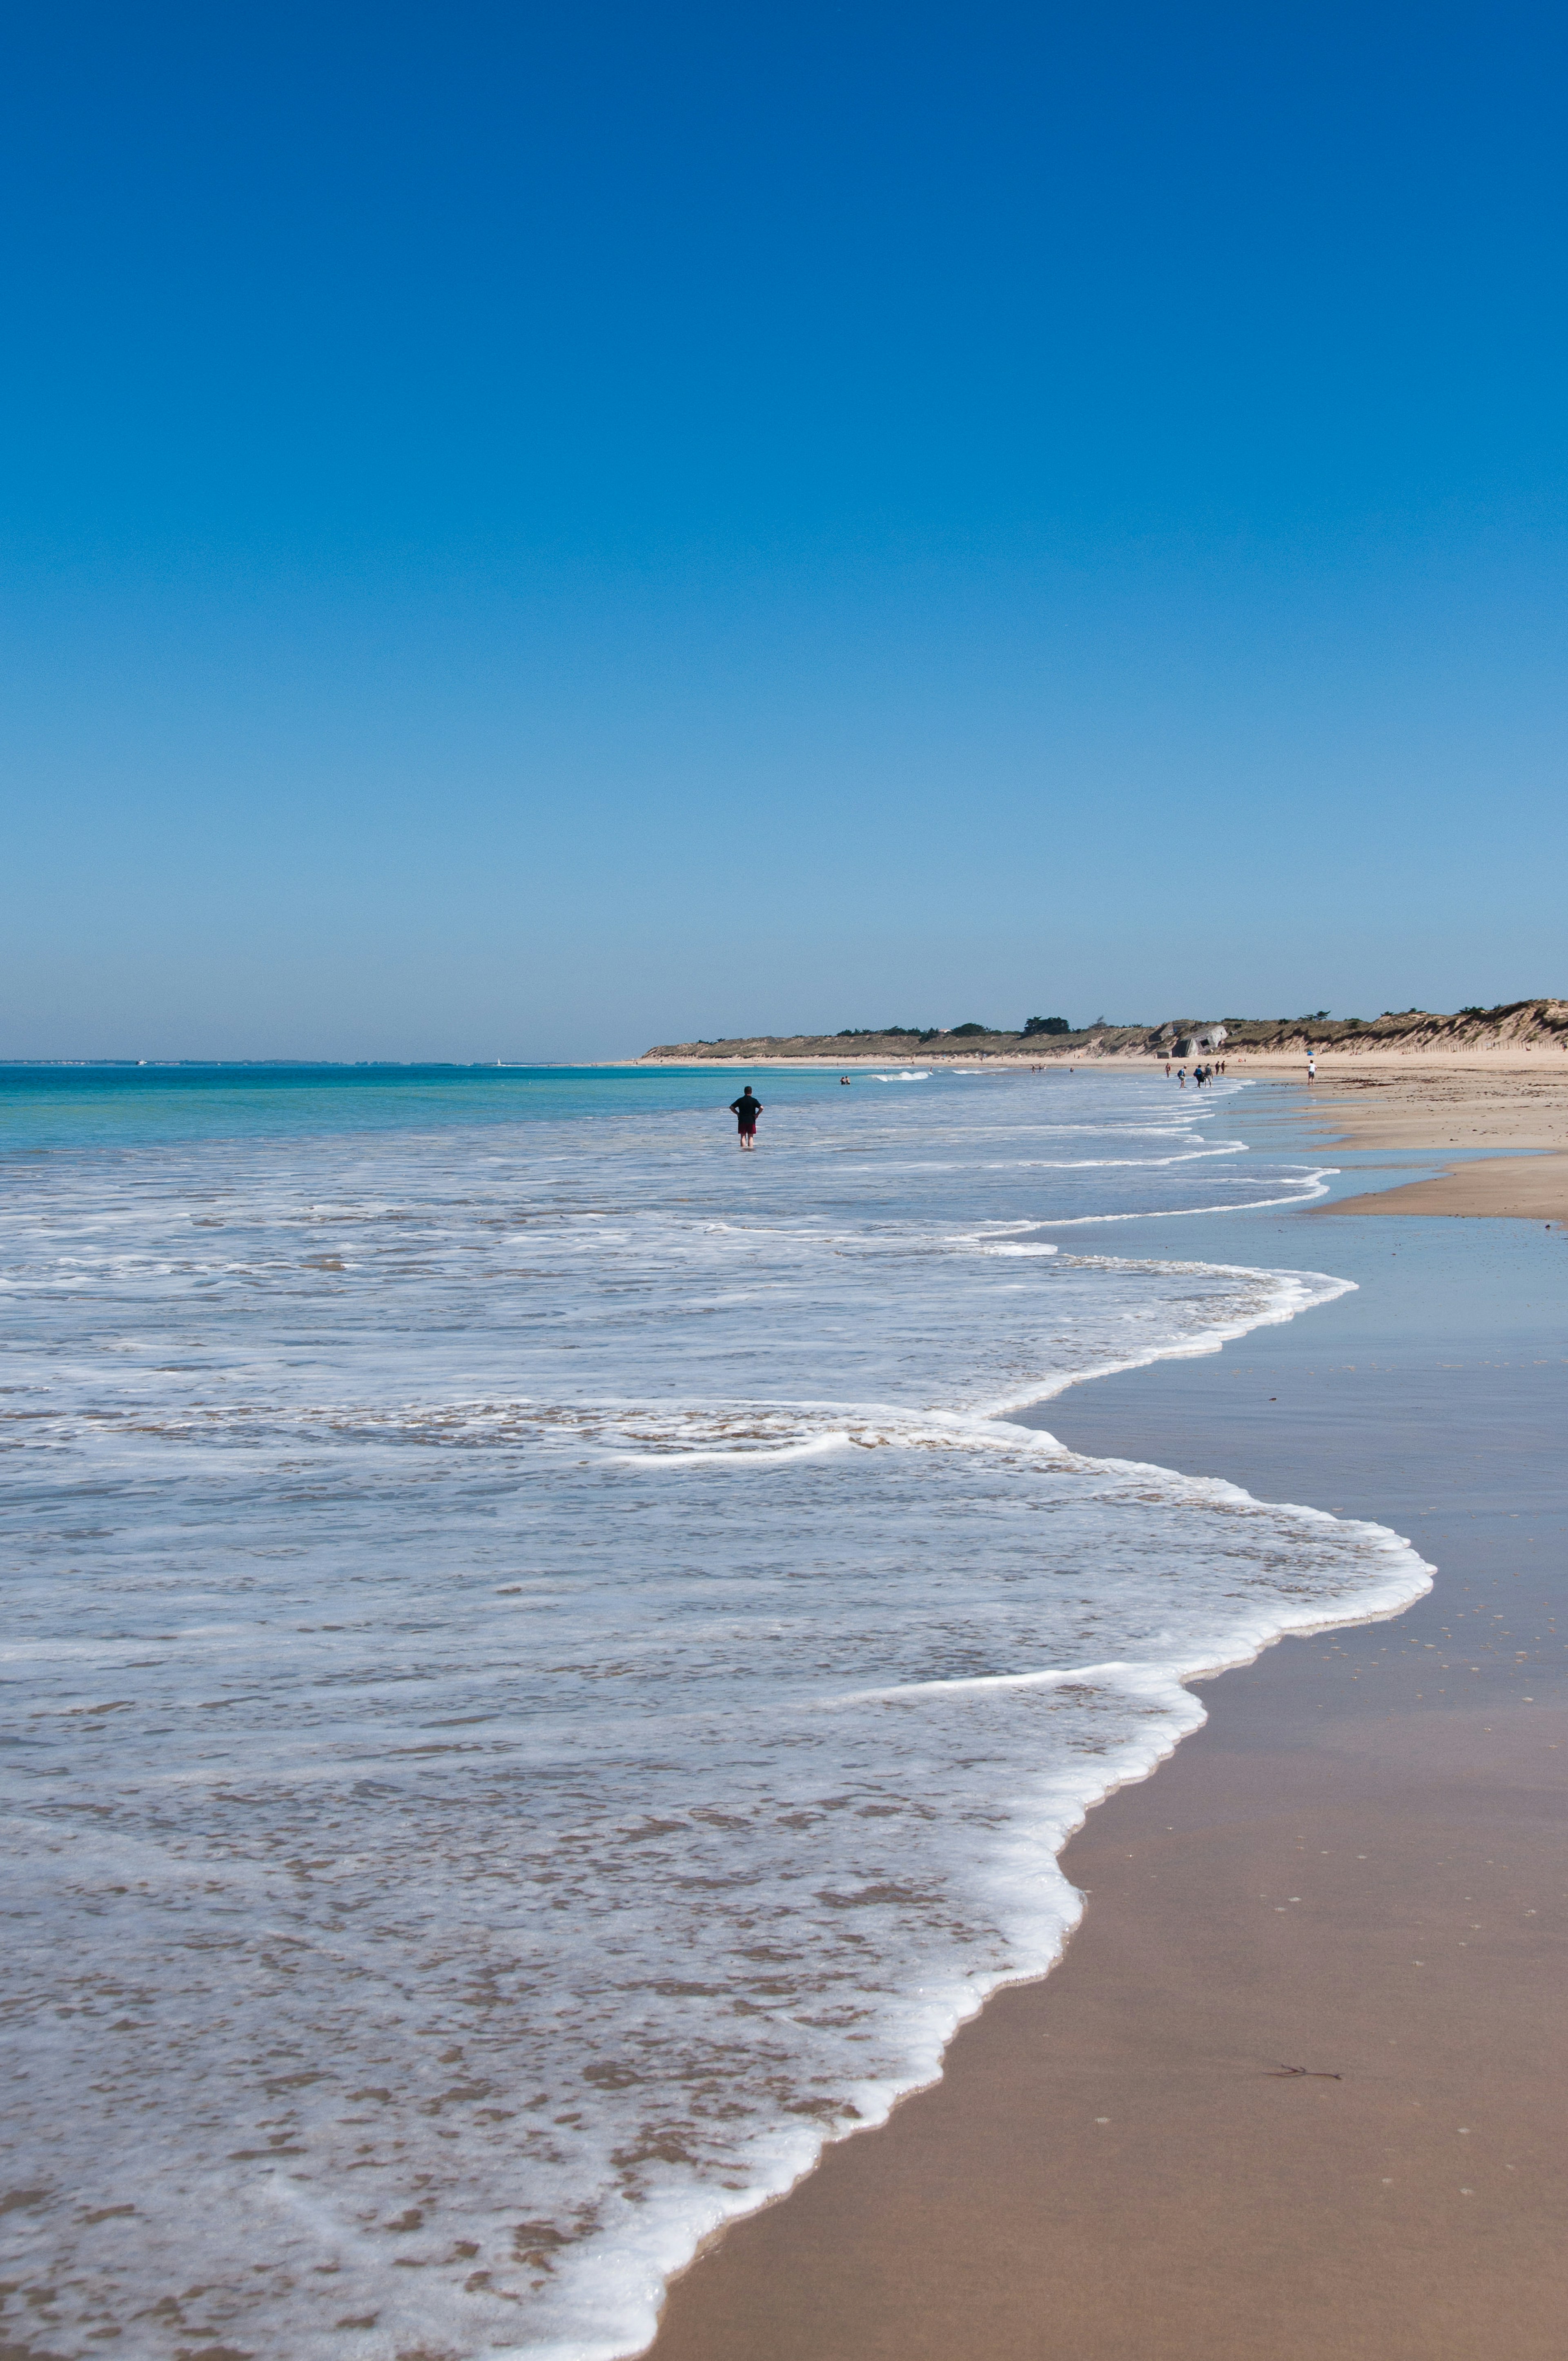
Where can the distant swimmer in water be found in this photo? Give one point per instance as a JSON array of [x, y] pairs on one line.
[[844, 1079], [745, 1110]]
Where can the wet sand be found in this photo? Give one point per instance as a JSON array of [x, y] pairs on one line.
[[1355, 1870], [1512, 1188], [1521, 1109]]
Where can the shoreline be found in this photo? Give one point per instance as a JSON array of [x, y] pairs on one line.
[[1505, 1111], [1009, 2209]]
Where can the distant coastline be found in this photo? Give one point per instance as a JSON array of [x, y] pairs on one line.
[[1512, 1028]]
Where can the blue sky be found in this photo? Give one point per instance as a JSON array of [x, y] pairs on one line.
[[531, 532]]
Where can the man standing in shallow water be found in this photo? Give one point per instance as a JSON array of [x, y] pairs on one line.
[[745, 1110]]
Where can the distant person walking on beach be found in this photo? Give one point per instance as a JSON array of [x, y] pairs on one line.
[[745, 1110], [1312, 1067]]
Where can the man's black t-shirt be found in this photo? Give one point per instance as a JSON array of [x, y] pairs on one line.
[[746, 1109]]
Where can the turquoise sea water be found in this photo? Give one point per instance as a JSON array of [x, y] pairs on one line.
[[66, 1107], [542, 1680]]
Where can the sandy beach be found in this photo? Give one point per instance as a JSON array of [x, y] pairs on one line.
[[1505, 1116], [1297, 2087]]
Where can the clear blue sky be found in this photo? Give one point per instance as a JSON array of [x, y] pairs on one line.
[[531, 530]]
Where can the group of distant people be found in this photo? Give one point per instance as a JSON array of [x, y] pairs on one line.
[[1200, 1074]]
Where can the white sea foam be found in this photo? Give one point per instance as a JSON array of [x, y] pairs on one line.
[[549, 1692]]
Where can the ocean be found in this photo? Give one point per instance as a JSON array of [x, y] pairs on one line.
[[541, 1683]]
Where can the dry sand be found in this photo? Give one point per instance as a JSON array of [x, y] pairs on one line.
[[1357, 1869]]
